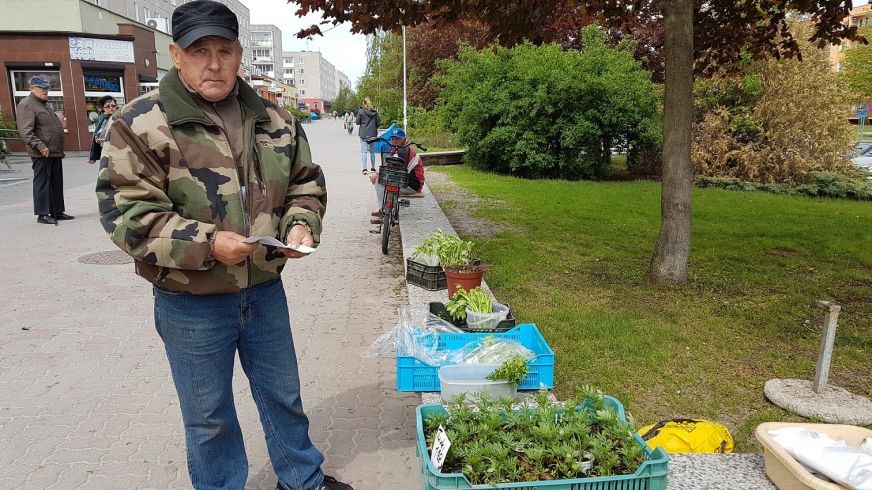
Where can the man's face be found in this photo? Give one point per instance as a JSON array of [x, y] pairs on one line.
[[397, 141], [209, 65], [40, 93]]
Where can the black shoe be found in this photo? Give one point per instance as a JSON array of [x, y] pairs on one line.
[[329, 483], [372, 170], [364, 171], [46, 219], [63, 216]]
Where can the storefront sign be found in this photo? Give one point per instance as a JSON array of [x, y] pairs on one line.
[[102, 84], [84, 48]]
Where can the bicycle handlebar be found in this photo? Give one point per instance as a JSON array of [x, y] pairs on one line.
[[408, 144]]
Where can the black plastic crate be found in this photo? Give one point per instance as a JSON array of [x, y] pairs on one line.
[[393, 176], [430, 277], [504, 326]]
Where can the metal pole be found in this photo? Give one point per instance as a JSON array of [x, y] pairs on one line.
[[822, 372], [405, 100]]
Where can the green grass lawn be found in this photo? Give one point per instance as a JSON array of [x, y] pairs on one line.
[[571, 257]]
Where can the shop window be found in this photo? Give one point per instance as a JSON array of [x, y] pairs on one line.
[[21, 89], [99, 85]]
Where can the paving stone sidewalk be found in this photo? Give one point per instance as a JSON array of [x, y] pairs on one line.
[[86, 398]]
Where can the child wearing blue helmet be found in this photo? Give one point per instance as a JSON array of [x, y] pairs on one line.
[[413, 165]]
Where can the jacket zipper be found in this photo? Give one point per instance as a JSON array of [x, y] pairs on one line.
[[246, 202]]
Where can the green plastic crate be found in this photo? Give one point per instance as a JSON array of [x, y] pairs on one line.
[[651, 475]]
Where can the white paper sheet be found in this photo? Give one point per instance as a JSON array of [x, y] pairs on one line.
[[268, 240]]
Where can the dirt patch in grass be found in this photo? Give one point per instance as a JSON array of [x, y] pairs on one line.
[[459, 205]]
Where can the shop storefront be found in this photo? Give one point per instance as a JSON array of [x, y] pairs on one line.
[[82, 69]]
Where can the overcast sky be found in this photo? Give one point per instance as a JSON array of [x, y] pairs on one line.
[[346, 51]]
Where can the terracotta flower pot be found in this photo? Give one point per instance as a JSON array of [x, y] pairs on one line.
[[465, 276]]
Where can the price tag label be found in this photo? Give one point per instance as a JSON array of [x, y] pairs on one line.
[[440, 449]]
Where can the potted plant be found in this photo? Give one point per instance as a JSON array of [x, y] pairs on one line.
[[455, 257], [585, 443]]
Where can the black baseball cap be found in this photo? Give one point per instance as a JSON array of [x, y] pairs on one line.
[[202, 18]]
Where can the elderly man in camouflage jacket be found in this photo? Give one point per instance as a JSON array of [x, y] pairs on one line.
[[187, 173]]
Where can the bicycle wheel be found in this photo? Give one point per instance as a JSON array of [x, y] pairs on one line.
[[388, 219]]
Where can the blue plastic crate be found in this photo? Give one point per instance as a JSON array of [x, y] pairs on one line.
[[652, 475], [416, 375]]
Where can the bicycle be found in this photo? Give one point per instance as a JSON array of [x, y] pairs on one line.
[[393, 175]]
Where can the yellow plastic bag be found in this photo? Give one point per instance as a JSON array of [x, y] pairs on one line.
[[688, 436], [344, 126]]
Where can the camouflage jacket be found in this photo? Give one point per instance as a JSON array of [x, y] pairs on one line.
[[168, 183]]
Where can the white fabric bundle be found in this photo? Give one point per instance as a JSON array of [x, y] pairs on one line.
[[848, 466]]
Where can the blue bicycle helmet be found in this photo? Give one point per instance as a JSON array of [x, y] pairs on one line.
[[398, 133]]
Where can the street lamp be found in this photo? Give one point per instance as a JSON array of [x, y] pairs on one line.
[[405, 100]]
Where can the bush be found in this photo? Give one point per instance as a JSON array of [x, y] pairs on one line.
[[823, 184], [301, 114], [780, 123], [4, 149], [426, 127], [541, 112]]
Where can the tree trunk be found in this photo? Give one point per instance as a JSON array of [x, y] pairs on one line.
[[669, 263]]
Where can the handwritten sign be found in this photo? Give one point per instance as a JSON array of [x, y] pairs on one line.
[[440, 449]]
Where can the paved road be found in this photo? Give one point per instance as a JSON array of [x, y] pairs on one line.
[[86, 398]]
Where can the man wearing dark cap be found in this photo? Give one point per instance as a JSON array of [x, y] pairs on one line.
[[43, 135], [187, 173]]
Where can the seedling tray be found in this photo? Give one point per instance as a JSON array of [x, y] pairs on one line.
[[652, 475]]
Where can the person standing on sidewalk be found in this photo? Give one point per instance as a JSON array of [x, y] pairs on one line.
[[367, 122], [107, 104], [187, 173], [349, 125], [43, 135]]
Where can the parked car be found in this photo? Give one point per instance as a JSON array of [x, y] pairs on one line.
[[863, 158]]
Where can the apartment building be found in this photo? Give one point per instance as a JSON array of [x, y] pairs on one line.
[[314, 77], [859, 16], [342, 80], [158, 15], [266, 50]]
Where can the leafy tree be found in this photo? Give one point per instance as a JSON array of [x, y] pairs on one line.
[[646, 30], [544, 112], [711, 34], [426, 46], [778, 124], [346, 100], [383, 80], [857, 69]]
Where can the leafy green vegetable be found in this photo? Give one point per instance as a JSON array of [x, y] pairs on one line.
[[514, 370], [450, 249], [477, 299]]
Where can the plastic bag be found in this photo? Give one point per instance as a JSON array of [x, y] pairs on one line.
[[412, 341], [426, 259], [688, 436], [493, 350]]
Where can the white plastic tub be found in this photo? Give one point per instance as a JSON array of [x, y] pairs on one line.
[[470, 379], [485, 322]]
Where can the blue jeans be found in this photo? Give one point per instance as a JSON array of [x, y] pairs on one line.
[[364, 147], [201, 334]]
